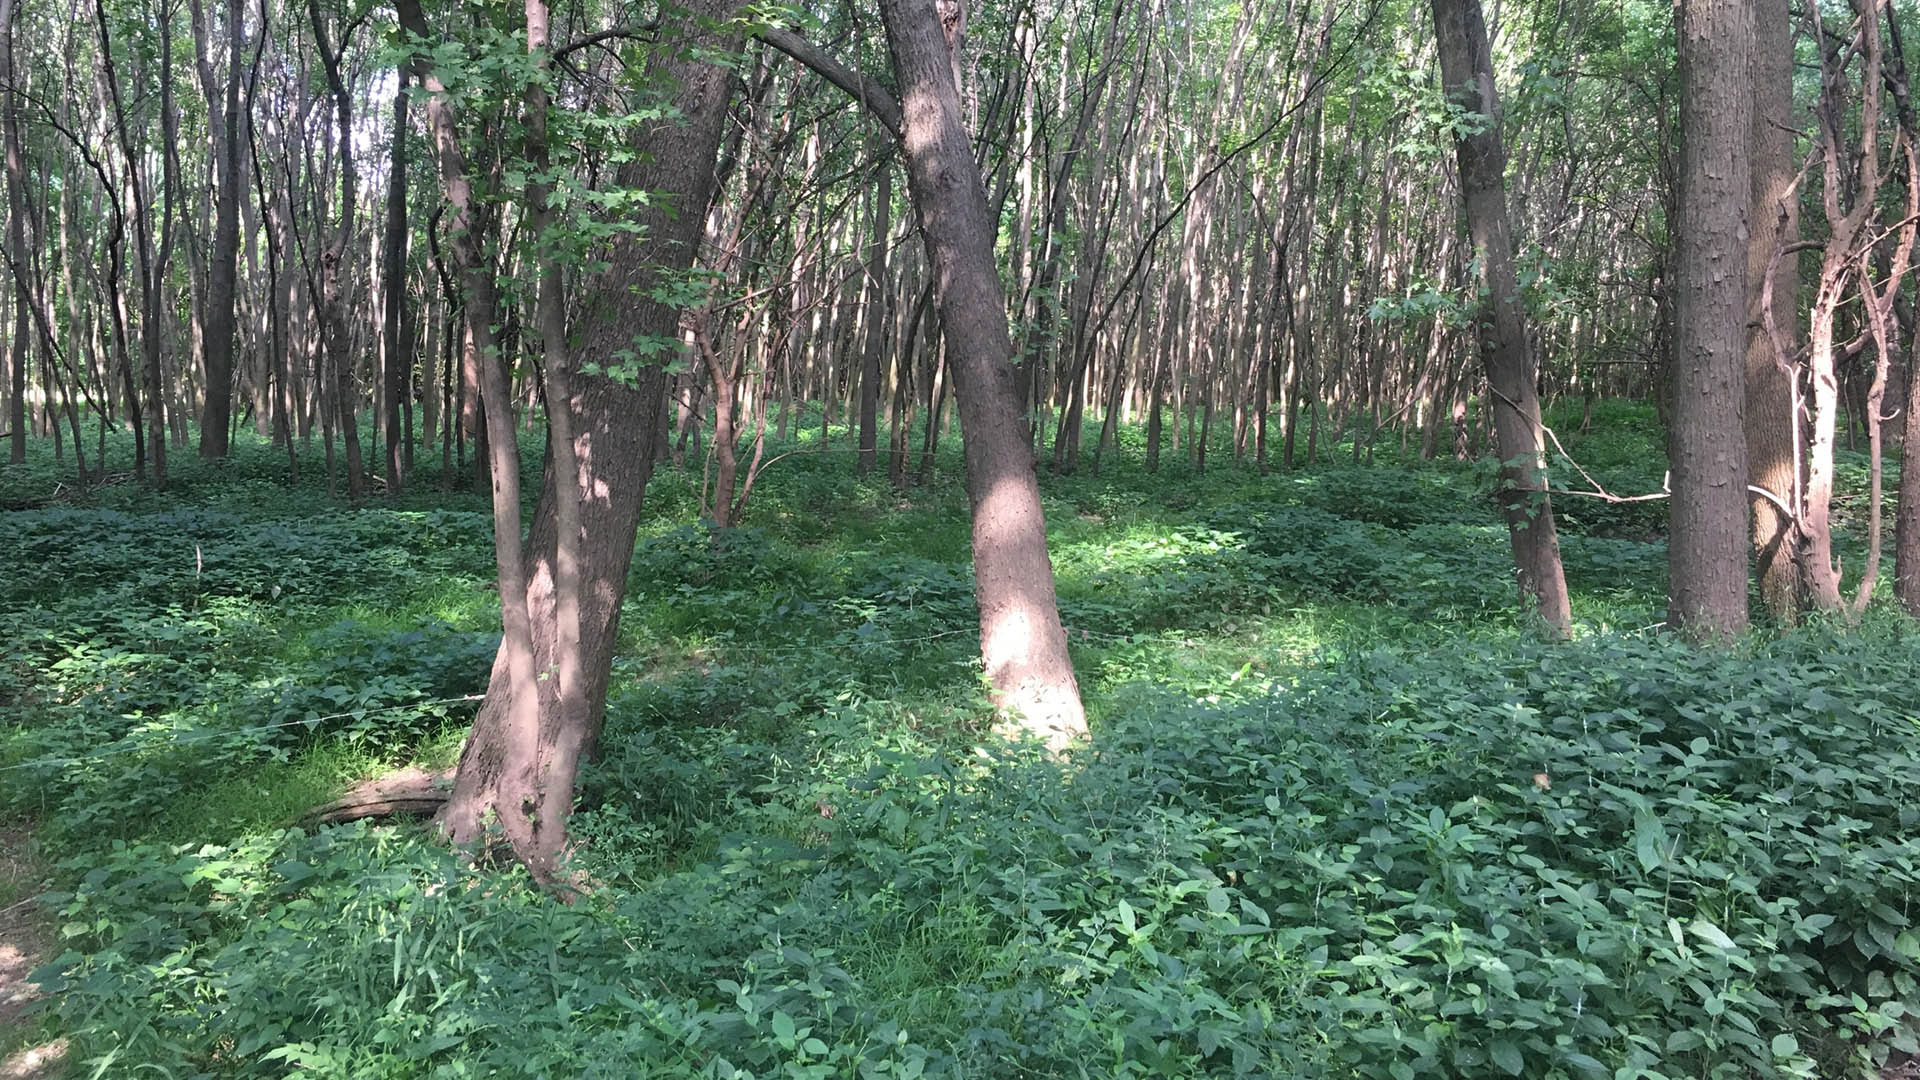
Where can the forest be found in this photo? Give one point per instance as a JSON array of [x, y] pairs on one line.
[[959, 538]]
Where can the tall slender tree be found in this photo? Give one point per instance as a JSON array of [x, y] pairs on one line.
[[1466, 67], [225, 122], [1022, 642], [1775, 226], [517, 765], [16, 239]]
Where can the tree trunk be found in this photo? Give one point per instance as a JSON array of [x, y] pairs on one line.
[[16, 242], [217, 321], [397, 354], [1906, 521], [1775, 220], [613, 423], [1022, 643], [879, 315], [333, 312], [1466, 67], [1707, 548]]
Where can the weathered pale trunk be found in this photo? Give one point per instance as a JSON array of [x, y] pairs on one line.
[[1848, 238], [1022, 643]]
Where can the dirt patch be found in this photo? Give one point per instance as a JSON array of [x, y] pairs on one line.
[[26, 942]]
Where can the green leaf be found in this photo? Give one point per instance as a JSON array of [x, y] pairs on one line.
[[1684, 1040], [1649, 841], [1710, 933], [1785, 1045], [1508, 1057]]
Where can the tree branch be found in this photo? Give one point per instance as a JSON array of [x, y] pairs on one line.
[[648, 32], [862, 89]]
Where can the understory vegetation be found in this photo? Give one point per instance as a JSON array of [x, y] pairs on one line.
[[1342, 814]]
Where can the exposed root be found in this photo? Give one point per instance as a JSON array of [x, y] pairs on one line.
[[409, 791]]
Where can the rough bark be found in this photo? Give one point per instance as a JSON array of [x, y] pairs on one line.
[[1707, 545], [16, 242], [1466, 67], [218, 318], [879, 315], [1775, 219], [1022, 643], [397, 356], [614, 442]]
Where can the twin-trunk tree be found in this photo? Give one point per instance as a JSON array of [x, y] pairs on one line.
[[562, 588]]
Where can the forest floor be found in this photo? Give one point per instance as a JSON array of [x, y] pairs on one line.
[[1342, 814], [26, 942]]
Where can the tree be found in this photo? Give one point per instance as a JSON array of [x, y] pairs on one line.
[[1707, 548], [1775, 218], [396, 337], [224, 121], [518, 765], [1466, 68], [1022, 642], [334, 333], [16, 239]]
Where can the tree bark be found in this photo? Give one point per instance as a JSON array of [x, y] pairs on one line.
[[1707, 545], [397, 356], [614, 441], [1775, 220], [333, 312], [879, 315], [16, 241], [1466, 67], [1906, 520], [1022, 643], [218, 321]]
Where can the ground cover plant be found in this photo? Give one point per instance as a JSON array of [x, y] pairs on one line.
[[1342, 814]]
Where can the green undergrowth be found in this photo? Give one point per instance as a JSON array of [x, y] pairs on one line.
[[1357, 876], [1342, 814]]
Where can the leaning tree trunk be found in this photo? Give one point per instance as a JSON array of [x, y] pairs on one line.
[[1707, 551], [1466, 66], [1022, 643], [613, 438]]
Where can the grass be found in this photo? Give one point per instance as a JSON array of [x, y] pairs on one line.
[[1317, 709]]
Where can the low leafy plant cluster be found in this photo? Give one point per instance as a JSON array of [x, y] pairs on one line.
[[1341, 816], [150, 654], [1620, 858]]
